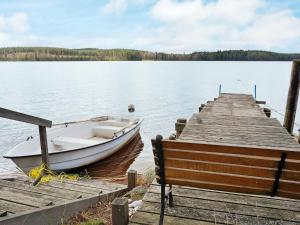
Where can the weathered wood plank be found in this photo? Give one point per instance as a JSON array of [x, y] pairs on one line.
[[219, 186], [9, 114], [74, 187], [221, 141], [232, 149], [225, 158], [222, 168], [148, 218], [219, 178], [14, 207], [25, 198], [250, 200], [226, 207], [239, 134], [97, 184], [209, 215], [58, 213], [42, 189]]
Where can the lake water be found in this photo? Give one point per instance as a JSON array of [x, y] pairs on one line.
[[160, 91]]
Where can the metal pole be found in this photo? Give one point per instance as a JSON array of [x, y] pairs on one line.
[[255, 91], [220, 89], [292, 99]]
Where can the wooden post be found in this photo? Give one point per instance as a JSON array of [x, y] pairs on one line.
[[120, 214], [267, 112], [132, 179], [292, 99], [201, 107], [172, 137], [44, 146], [179, 126]]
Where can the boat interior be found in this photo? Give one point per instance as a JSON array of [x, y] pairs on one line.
[[99, 132], [76, 135]]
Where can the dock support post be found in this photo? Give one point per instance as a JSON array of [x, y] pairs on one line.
[[44, 150], [179, 126], [201, 107], [44, 146], [255, 91], [120, 214], [267, 112], [132, 179], [220, 89], [292, 99]]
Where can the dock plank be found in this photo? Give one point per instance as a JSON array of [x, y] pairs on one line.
[[29, 205], [42, 189], [74, 187], [148, 218], [12, 207], [199, 206], [226, 207], [209, 215], [235, 198], [25, 198]]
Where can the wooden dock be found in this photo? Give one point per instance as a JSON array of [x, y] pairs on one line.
[[50, 203], [230, 120]]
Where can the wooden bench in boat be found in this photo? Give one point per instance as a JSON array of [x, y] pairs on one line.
[[72, 143], [101, 134], [107, 131], [242, 169]]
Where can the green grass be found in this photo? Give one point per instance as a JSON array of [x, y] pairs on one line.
[[93, 222]]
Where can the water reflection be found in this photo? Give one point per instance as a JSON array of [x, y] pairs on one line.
[[116, 165]]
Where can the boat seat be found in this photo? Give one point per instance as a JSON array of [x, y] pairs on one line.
[[106, 131], [73, 143], [113, 123]]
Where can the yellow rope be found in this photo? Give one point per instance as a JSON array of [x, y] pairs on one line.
[[50, 175]]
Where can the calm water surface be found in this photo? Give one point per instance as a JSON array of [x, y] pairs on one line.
[[160, 91]]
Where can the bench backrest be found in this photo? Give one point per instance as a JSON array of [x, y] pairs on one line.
[[243, 169]]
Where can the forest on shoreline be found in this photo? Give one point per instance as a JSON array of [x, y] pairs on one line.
[[91, 54]]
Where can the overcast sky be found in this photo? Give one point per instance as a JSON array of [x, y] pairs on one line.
[[156, 25]]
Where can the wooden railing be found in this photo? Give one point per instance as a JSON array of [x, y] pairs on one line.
[[42, 123]]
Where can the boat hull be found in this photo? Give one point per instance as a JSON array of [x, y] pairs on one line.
[[68, 160]]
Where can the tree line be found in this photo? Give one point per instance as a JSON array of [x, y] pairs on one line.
[[90, 54]]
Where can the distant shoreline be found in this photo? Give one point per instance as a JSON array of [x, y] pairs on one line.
[[34, 54]]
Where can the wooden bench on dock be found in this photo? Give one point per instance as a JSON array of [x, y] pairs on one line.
[[261, 171]]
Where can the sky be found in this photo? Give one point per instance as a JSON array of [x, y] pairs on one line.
[[174, 26]]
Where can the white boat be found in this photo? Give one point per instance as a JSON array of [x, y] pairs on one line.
[[76, 144]]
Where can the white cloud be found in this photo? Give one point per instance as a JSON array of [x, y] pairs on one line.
[[17, 23], [191, 25], [14, 30], [114, 6], [119, 6]]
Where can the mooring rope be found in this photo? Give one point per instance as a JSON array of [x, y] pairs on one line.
[[281, 114], [36, 172]]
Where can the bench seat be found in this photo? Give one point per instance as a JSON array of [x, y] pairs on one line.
[[231, 168], [106, 131], [74, 143]]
